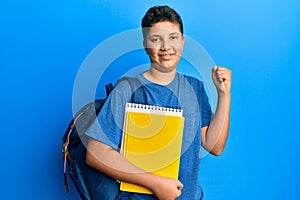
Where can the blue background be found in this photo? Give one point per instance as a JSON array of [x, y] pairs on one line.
[[43, 44]]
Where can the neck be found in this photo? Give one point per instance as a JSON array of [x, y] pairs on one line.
[[159, 77]]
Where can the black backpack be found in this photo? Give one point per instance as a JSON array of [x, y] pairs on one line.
[[87, 180]]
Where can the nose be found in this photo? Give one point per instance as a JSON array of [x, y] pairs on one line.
[[165, 45]]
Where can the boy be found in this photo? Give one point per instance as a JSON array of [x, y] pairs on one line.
[[163, 42]]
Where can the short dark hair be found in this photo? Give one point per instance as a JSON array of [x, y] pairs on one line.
[[159, 14]]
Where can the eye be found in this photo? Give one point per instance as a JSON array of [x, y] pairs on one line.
[[174, 37], [155, 39]]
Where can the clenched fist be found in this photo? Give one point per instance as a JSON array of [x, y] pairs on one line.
[[222, 79]]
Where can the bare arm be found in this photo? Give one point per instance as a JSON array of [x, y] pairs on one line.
[[105, 159], [215, 135]]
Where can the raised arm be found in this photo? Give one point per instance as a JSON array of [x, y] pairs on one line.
[[110, 162], [215, 135]]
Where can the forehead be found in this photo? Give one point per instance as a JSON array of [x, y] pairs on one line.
[[164, 27]]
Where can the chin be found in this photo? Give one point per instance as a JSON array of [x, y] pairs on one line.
[[167, 68]]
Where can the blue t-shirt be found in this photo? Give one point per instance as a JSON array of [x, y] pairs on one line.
[[183, 92]]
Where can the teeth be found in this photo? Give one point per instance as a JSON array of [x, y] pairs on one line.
[[166, 56]]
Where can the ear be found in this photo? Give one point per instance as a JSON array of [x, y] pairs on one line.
[[182, 40], [146, 47]]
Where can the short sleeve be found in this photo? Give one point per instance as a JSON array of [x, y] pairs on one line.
[[108, 126], [203, 100], [206, 111]]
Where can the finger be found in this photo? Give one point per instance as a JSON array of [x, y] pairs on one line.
[[220, 68], [215, 73], [179, 193], [226, 76], [180, 186], [218, 76], [225, 72], [223, 75], [215, 68]]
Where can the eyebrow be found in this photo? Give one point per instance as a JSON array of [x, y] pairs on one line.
[[173, 33]]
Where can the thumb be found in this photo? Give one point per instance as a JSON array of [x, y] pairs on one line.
[[214, 73], [215, 68]]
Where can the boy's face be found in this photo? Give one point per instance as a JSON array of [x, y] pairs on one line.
[[164, 45]]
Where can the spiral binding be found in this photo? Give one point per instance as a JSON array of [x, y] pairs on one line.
[[153, 108]]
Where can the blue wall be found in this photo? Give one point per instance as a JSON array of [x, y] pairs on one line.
[[43, 44]]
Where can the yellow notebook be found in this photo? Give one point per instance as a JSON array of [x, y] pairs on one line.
[[152, 138]]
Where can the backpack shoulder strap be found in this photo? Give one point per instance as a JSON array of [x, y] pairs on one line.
[[109, 87], [137, 89]]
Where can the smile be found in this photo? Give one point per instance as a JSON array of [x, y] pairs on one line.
[[166, 56]]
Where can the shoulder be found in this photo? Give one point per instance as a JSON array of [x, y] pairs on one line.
[[191, 80], [125, 87], [121, 90], [127, 82]]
